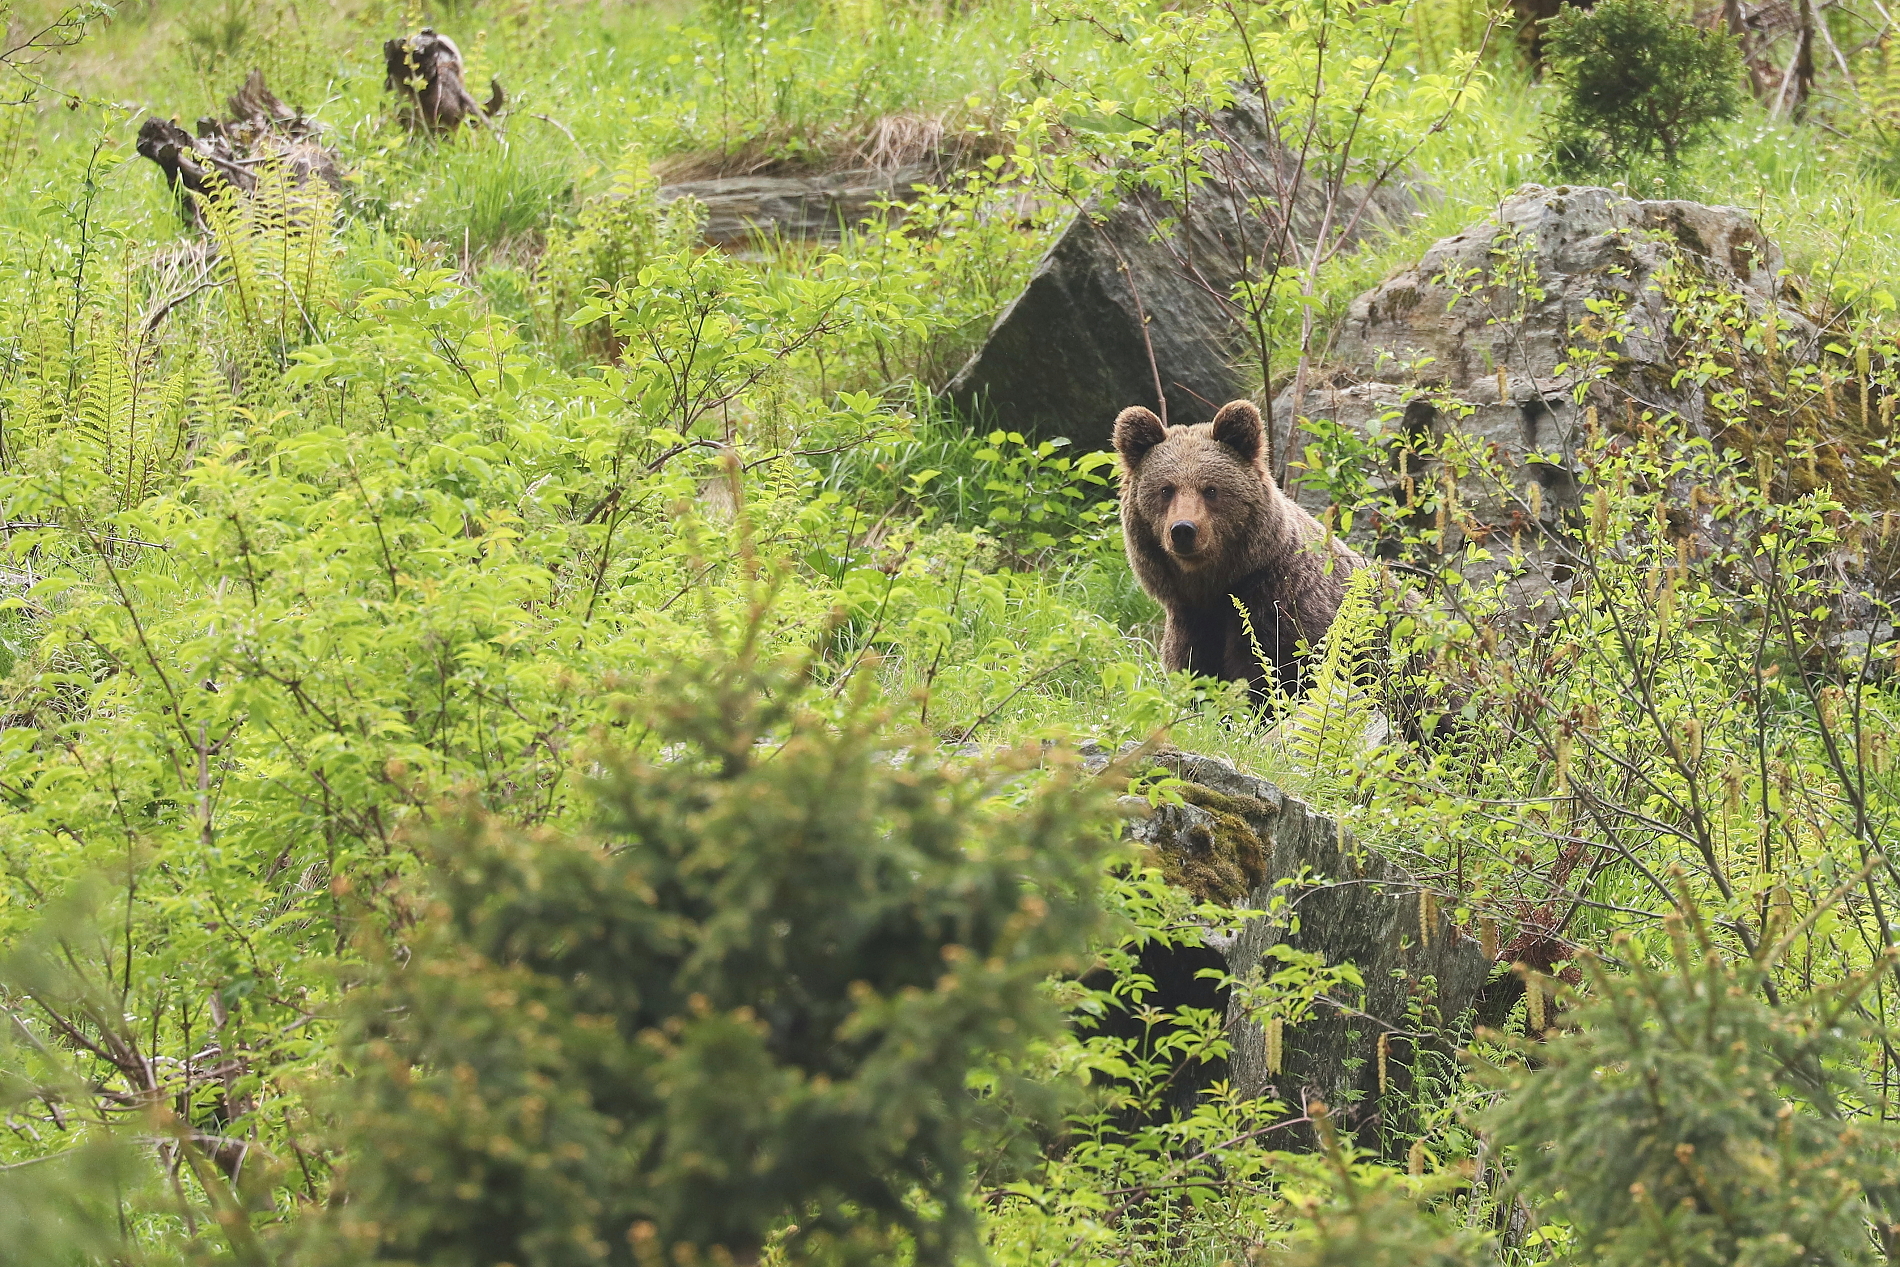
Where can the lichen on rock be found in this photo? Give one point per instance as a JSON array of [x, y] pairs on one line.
[[1480, 370]]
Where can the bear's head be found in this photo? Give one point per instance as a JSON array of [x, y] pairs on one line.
[[1200, 493]]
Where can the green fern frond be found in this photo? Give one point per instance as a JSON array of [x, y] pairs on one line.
[[1877, 77], [277, 254], [1324, 729]]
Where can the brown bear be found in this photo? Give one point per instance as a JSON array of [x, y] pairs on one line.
[[1205, 524]]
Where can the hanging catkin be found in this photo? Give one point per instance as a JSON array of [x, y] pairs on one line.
[[1385, 1048], [1276, 1037], [1533, 1003], [1862, 363]]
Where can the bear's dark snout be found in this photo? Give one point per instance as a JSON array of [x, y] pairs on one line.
[[1181, 535]]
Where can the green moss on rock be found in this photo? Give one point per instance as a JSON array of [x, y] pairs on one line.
[[1219, 861]]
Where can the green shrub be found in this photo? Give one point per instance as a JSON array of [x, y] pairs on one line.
[[61, 1213], [613, 237], [1692, 1120], [752, 998], [1637, 84], [1354, 1214]]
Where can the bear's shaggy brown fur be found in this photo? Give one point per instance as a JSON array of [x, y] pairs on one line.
[[1205, 524]]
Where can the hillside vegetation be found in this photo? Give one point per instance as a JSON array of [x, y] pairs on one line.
[[528, 739]]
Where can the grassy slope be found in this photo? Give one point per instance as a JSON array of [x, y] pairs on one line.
[[808, 87], [796, 87]]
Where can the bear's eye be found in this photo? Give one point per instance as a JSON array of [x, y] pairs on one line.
[[1207, 494], [1167, 491]]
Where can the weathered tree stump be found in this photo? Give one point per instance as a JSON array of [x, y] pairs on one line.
[[425, 70], [1241, 841], [261, 129]]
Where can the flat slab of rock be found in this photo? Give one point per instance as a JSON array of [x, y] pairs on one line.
[[1145, 278], [1476, 340], [1242, 841], [740, 210]]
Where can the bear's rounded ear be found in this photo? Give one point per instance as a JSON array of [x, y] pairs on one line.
[[1137, 430], [1238, 426]]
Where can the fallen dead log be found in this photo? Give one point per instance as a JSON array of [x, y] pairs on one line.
[[261, 129], [426, 71], [743, 211]]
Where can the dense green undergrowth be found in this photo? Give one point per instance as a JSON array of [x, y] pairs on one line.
[[370, 536]]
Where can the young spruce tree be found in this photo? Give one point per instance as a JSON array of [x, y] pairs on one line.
[[1638, 84], [1692, 1120], [744, 1010]]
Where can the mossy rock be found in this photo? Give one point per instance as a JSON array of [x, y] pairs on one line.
[[1216, 855], [1486, 352], [1237, 840]]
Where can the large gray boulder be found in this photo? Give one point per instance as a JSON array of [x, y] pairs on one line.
[[1131, 306], [1477, 340], [1240, 840]]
